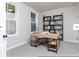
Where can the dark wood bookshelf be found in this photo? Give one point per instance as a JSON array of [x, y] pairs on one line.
[[57, 25], [54, 24]]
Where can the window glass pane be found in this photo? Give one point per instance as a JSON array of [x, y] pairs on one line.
[[11, 27], [10, 8], [33, 22], [33, 16], [33, 27]]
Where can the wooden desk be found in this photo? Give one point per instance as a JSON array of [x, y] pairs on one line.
[[45, 36]]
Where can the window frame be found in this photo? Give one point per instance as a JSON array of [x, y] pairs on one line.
[[16, 19]]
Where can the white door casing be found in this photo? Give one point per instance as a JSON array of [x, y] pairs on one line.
[[2, 30]]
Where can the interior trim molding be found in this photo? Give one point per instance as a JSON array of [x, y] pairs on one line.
[[16, 46], [71, 41]]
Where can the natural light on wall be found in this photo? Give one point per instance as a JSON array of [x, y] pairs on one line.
[[76, 28], [10, 19]]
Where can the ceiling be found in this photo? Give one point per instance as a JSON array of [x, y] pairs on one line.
[[44, 6]]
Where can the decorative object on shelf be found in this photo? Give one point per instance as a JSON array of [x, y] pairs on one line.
[[52, 23], [76, 28], [47, 27], [58, 27], [46, 23], [57, 17], [45, 19], [58, 22]]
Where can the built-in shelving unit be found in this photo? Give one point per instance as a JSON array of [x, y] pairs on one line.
[[53, 24]]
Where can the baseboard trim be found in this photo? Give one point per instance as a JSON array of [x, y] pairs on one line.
[[71, 41], [16, 46]]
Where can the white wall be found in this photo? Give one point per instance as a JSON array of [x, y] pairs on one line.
[[40, 22], [78, 4], [70, 17], [24, 26]]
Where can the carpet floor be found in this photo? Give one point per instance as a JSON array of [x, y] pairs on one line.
[[66, 49]]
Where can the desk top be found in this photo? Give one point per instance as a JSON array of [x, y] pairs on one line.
[[46, 35]]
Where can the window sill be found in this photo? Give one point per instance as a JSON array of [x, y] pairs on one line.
[[12, 35], [33, 31]]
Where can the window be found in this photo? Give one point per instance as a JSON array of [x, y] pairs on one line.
[[33, 22], [10, 19]]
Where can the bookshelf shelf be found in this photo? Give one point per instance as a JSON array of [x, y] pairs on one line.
[[53, 25]]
